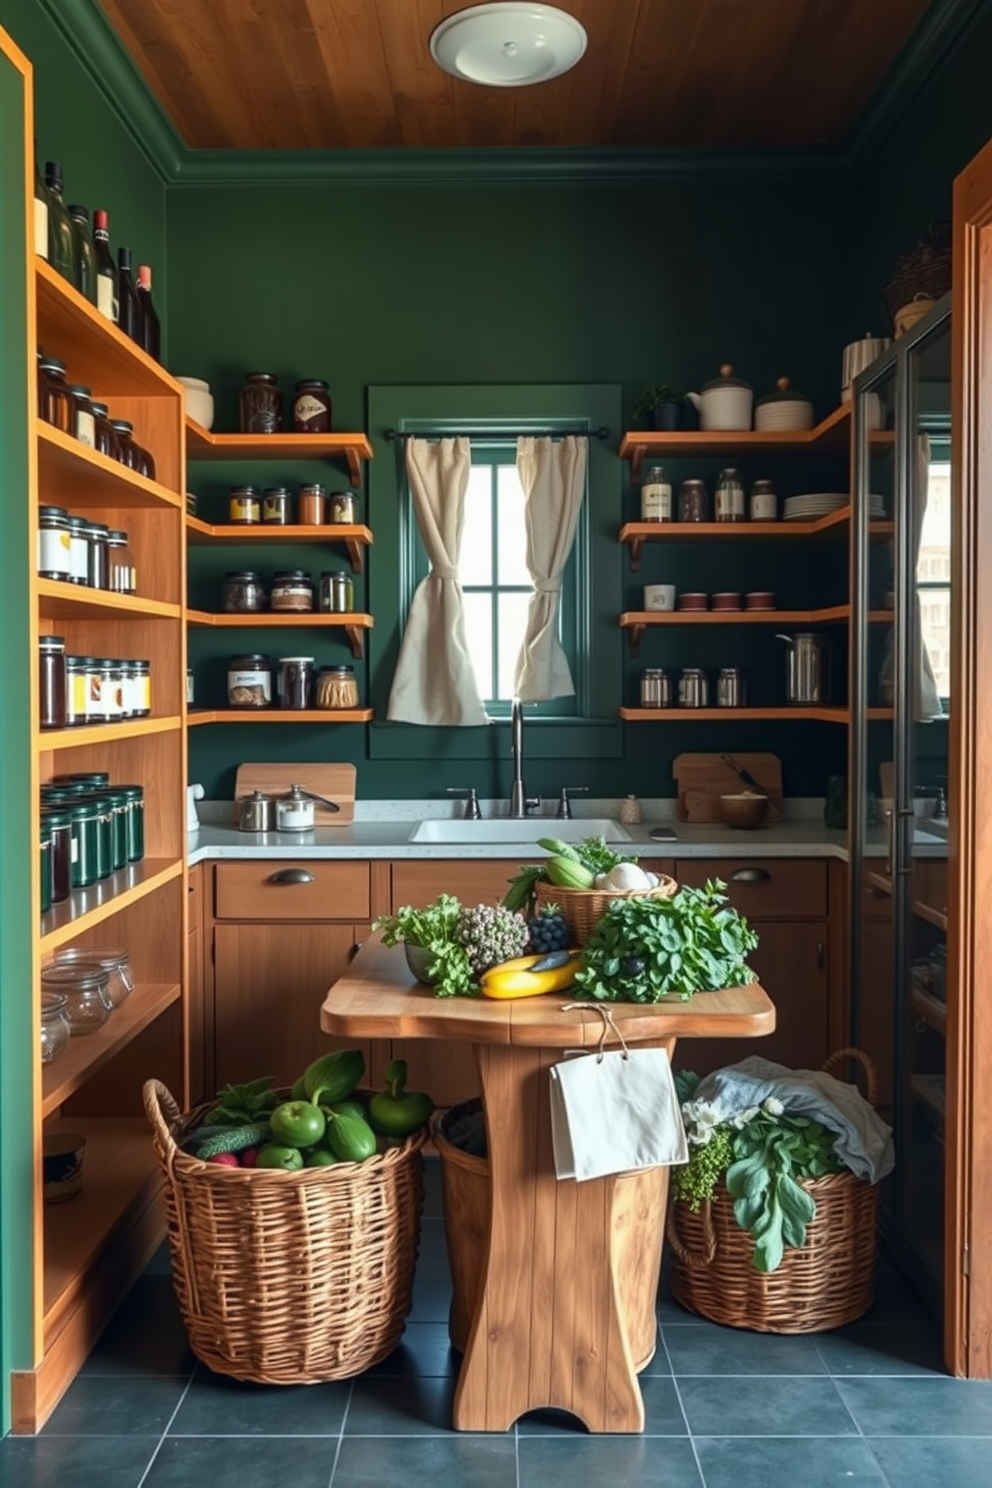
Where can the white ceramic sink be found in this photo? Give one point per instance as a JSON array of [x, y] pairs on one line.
[[524, 833]]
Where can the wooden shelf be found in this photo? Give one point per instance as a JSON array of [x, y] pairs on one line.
[[711, 715], [280, 715], [637, 621], [935, 917], [636, 534], [930, 1008], [60, 601], [96, 480], [354, 536], [87, 908], [353, 448], [86, 1054], [106, 733], [95, 351], [351, 623], [831, 435]]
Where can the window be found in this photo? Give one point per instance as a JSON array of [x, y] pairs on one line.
[[933, 575]]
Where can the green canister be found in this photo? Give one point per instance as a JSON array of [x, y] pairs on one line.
[[85, 834], [45, 863], [135, 797], [117, 803]]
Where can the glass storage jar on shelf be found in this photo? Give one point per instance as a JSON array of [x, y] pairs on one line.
[[83, 421], [277, 506], [243, 593], [312, 509], [106, 439], [261, 404], [729, 499], [122, 576], [113, 961], [656, 494], [244, 506], [127, 451], [58, 407], [55, 1030], [51, 682], [84, 989], [54, 544], [694, 502], [336, 688], [291, 592], [295, 682], [312, 406], [249, 681]]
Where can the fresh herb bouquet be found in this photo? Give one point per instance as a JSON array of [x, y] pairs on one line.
[[461, 943]]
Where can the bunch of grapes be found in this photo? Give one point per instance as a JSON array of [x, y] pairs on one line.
[[490, 934], [548, 931]]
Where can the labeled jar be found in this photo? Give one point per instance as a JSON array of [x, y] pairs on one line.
[[261, 404], [312, 406], [291, 592], [85, 815], [111, 688], [127, 450], [122, 576], [656, 494], [135, 799], [249, 681], [55, 1030], [341, 507], [98, 566], [312, 510], [141, 688], [76, 690], [729, 500], [243, 593], [54, 544], [58, 409], [694, 502], [656, 688], [190, 687], [764, 502], [337, 593], [94, 704], [294, 682], [83, 421], [244, 506], [730, 689], [84, 990], [58, 821], [114, 961], [694, 688], [106, 439], [51, 682], [276, 507], [79, 550], [336, 688]]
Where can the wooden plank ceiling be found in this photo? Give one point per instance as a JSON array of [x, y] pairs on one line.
[[298, 74]]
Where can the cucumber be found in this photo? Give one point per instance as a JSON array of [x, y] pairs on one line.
[[349, 1108], [559, 848], [351, 1138], [569, 873], [334, 1075], [236, 1139]]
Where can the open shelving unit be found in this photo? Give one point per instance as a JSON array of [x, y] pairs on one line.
[[352, 448], [635, 534], [355, 537]]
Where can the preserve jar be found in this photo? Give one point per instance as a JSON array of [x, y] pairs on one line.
[[84, 989], [121, 574], [54, 544], [243, 593], [44, 866], [312, 406], [55, 1030], [111, 688], [92, 822], [276, 506], [76, 687], [113, 961], [83, 421], [106, 439], [292, 591], [142, 687], [656, 688], [79, 550], [244, 506], [261, 404], [312, 511], [764, 502], [729, 500], [337, 593], [249, 681], [144, 462], [59, 406], [694, 688], [98, 567], [116, 803], [58, 821], [336, 687], [294, 682], [127, 451], [341, 507], [730, 691], [51, 682], [656, 494], [135, 798], [694, 505]]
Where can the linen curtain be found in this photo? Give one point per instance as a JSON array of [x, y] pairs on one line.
[[552, 474], [434, 682]]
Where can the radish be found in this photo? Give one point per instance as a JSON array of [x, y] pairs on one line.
[[225, 1160], [248, 1157]]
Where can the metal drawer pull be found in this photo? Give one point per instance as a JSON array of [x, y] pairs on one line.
[[292, 876], [750, 875]]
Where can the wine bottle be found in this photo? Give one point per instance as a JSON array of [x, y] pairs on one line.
[[106, 272], [129, 315], [61, 253], [151, 329], [40, 210], [84, 254]]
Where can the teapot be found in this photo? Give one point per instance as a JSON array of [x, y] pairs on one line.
[[724, 403]]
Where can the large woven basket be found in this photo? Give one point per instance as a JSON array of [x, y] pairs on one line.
[[823, 1284], [584, 908], [289, 1278]]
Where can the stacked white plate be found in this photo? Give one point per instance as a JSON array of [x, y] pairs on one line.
[[822, 503]]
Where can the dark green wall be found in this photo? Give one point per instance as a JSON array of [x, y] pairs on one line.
[[552, 283]]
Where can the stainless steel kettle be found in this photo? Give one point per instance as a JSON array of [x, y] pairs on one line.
[[257, 812], [805, 676]]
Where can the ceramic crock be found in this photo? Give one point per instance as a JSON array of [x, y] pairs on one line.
[[784, 409]]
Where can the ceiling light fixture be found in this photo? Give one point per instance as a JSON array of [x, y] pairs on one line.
[[508, 45]]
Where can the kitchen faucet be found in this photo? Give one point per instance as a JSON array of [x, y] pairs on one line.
[[520, 802]]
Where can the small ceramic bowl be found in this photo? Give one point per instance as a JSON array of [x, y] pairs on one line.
[[659, 596], [418, 958], [693, 602], [725, 600], [759, 599], [744, 809], [199, 400], [62, 1166]]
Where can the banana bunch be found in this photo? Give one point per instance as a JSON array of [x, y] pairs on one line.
[[529, 976]]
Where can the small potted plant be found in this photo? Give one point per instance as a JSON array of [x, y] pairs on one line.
[[661, 404]]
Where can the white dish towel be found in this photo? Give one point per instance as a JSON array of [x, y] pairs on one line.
[[613, 1112]]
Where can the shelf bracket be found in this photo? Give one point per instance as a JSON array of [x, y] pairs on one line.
[[355, 636], [636, 548], [354, 554], [635, 631], [354, 469], [636, 456]]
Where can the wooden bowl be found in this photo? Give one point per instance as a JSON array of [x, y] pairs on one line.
[[744, 809]]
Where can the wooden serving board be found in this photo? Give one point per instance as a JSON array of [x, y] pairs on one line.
[[336, 782], [702, 778]]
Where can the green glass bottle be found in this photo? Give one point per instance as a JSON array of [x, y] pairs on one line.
[[84, 254], [61, 246]]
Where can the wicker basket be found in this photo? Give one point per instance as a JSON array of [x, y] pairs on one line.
[[924, 270], [289, 1278], [583, 908], [824, 1284]]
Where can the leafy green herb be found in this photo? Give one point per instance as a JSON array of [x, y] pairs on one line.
[[243, 1105], [644, 949], [435, 929]]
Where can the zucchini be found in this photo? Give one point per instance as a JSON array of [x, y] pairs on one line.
[[235, 1139], [350, 1138], [569, 873], [334, 1076]]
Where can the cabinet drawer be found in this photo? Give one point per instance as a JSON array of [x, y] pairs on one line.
[[473, 880], [764, 888], [273, 890]]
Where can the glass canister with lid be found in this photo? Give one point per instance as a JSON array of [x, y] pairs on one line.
[[249, 681], [276, 506], [261, 404], [336, 687], [291, 592], [656, 494], [58, 407], [694, 688], [295, 682], [656, 688], [312, 406], [729, 499], [243, 592], [51, 682], [55, 1030], [84, 991], [764, 502], [54, 544], [694, 501], [127, 450], [114, 961], [244, 506]]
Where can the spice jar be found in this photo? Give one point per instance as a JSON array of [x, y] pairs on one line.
[[51, 682], [336, 687], [103, 430], [249, 681], [98, 568], [84, 990], [337, 593], [58, 822], [312, 407], [729, 502], [59, 406], [292, 591], [261, 404], [764, 502], [694, 505], [111, 688], [294, 682], [55, 1030], [127, 450], [341, 507], [144, 462], [79, 550], [54, 544], [730, 692], [276, 506], [313, 505], [243, 593], [656, 688], [694, 688], [656, 494], [114, 961], [121, 574], [83, 422], [244, 507], [141, 701]]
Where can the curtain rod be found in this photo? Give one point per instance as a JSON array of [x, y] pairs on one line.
[[392, 435]]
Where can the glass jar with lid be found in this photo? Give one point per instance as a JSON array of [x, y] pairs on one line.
[[312, 406], [58, 409], [111, 688], [730, 688], [336, 688], [249, 681], [98, 568], [694, 688], [337, 593], [121, 574], [116, 803], [106, 439], [261, 404], [276, 508], [45, 866], [79, 550], [144, 462], [291, 592], [243, 593], [764, 502], [83, 421], [55, 1030], [694, 502], [141, 698], [54, 544], [729, 500], [341, 508], [112, 960], [84, 990], [58, 822], [244, 506], [656, 688], [127, 452], [51, 682], [135, 798], [312, 510], [294, 687], [656, 494]]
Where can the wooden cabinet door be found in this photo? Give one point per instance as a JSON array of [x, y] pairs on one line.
[[270, 981]]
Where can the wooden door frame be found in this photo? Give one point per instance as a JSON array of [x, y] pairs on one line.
[[968, 1209]]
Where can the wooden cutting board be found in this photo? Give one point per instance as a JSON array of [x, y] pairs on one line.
[[336, 782], [702, 778]]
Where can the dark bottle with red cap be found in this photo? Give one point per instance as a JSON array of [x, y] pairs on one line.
[[150, 327], [129, 313]]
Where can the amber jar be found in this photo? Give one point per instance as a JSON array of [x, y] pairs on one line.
[[146, 462], [127, 450], [244, 506], [59, 405], [312, 407], [106, 439], [51, 682], [313, 505], [83, 421], [276, 506], [261, 404], [291, 592], [243, 593], [694, 504]]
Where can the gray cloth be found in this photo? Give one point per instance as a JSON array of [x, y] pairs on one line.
[[864, 1142]]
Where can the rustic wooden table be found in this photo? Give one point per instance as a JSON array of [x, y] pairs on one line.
[[553, 1323]]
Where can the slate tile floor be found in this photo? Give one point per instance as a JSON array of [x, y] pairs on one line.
[[868, 1407]]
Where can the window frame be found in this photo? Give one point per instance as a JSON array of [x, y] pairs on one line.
[[940, 454]]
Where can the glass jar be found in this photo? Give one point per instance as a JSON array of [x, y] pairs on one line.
[[98, 569], [312, 407], [656, 494], [55, 1030], [190, 687], [91, 690], [341, 507], [337, 593], [243, 593], [292, 591], [764, 502], [694, 688], [59, 406], [51, 682], [83, 421], [656, 688], [75, 691], [135, 797], [83, 779], [121, 575], [294, 682], [312, 510], [127, 451], [79, 550], [261, 404], [54, 544], [694, 502], [59, 824], [116, 803], [730, 689], [142, 696], [729, 501], [114, 961], [144, 462], [84, 990], [100, 825], [244, 507], [45, 866], [111, 688], [103, 431], [336, 688], [249, 681], [276, 506]]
